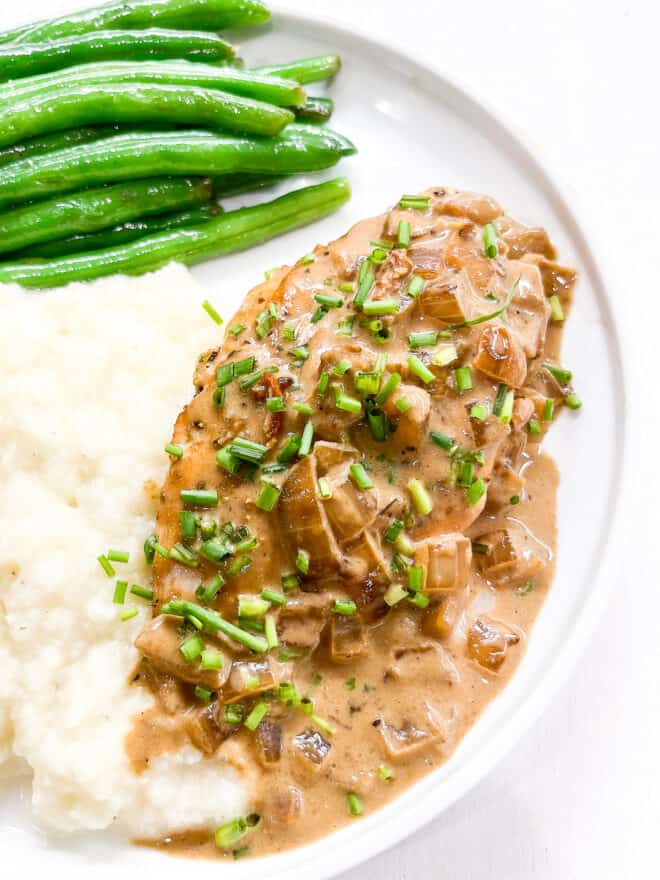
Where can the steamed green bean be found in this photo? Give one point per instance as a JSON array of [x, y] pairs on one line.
[[95, 209], [297, 149], [228, 233], [305, 70]]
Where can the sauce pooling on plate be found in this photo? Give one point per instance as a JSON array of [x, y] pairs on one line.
[[358, 527]]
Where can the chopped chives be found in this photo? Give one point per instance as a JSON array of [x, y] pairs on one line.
[[184, 555], [120, 592], [238, 565], [327, 282], [341, 367], [328, 301], [556, 309], [561, 375], [534, 426], [247, 450], [479, 412], [346, 607], [318, 315], [345, 326], [199, 497], [325, 489], [289, 450], [416, 578], [346, 403], [191, 648], [500, 397], [273, 469], [394, 594], [416, 286], [289, 333], [275, 404], [273, 596], [246, 545], [346, 287], [105, 565], [445, 355], [251, 379], [245, 366], [215, 550], [213, 622], [360, 477], [118, 555], [374, 307], [421, 600], [188, 525], [350, 683], [270, 631], [300, 353], [302, 561], [212, 312], [442, 440], [403, 404], [507, 408], [324, 382], [490, 241], [219, 397], [463, 378], [422, 339], [203, 694], [419, 369], [307, 259], [228, 462], [354, 804], [366, 282], [548, 410], [303, 408], [415, 203], [378, 256], [208, 592], [233, 713], [128, 614], [403, 234], [224, 374], [379, 243], [466, 474], [385, 773], [268, 497], [420, 497], [256, 716], [231, 832], [149, 548], [388, 388], [572, 401], [515, 499], [393, 531], [142, 592], [290, 583], [175, 450], [404, 545], [263, 324], [306, 440], [476, 491], [252, 606], [237, 329], [377, 423], [321, 724], [366, 383]]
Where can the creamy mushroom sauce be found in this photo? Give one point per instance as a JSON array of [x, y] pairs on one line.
[[406, 605]]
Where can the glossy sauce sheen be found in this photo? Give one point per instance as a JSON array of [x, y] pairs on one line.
[[401, 686]]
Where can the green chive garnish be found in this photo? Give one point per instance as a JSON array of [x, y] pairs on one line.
[[463, 379], [354, 804], [416, 286], [388, 388], [403, 404], [374, 307], [191, 648], [257, 715], [142, 592], [419, 369], [224, 374], [199, 497], [213, 622], [306, 440], [118, 555], [556, 309], [490, 241], [237, 329], [572, 401], [561, 375], [422, 339], [275, 404], [328, 301], [346, 607], [420, 497], [174, 450], [475, 491], [247, 450], [534, 426], [302, 561], [273, 596], [128, 614], [211, 312], [268, 497], [120, 592], [105, 565], [360, 477], [415, 203], [403, 234]]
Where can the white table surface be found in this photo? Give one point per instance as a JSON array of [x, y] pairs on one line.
[[579, 797]]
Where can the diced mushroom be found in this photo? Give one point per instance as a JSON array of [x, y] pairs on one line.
[[451, 299], [420, 222], [302, 619], [446, 560], [523, 410], [282, 805], [160, 642], [411, 424], [310, 749], [505, 484], [488, 643], [268, 741], [500, 356], [557, 280], [476, 207], [521, 240], [401, 743], [207, 729], [395, 267], [367, 574], [411, 663], [247, 679], [348, 640], [349, 509], [169, 691], [514, 556], [329, 455], [304, 520], [528, 312], [441, 619]]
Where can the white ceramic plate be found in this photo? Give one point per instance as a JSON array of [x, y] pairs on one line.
[[415, 128]]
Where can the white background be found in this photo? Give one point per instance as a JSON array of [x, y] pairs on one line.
[[580, 795]]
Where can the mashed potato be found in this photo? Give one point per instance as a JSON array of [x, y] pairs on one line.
[[92, 379]]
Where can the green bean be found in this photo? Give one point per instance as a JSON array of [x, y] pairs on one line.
[[60, 140], [306, 70], [132, 156], [17, 62], [272, 90], [58, 109], [121, 234], [95, 209], [212, 15], [228, 233], [316, 109], [237, 184]]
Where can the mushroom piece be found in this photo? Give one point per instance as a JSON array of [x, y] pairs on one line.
[[160, 643], [349, 509], [301, 621], [207, 729], [367, 574], [268, 741], [410, 424], [500, 356], [488, 643], [528, 312], [304, 520], [329, 455], [521, 240], [348, 639], [475, 206], [446, 560], [310, 749], [403, 742], [441, 619], [451, 299], [505, 484], [247, 679], [513, 556]]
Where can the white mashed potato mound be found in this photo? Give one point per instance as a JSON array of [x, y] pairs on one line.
[[93, 377]]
